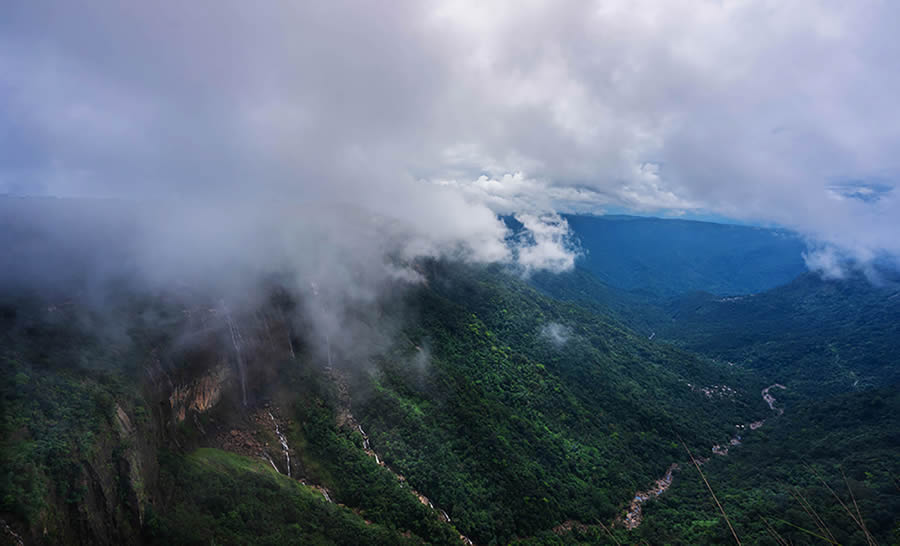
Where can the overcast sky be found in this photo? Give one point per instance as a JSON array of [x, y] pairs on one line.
[[440, 113]]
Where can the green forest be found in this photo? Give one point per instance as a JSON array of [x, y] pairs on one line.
[[522, 418]]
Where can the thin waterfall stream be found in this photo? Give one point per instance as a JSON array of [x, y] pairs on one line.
[[284, 444], [237, 343]]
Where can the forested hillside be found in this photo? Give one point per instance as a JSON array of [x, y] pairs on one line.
[[833, 343], [534, 412], [512, 412], [825, 336], [471, 405], [809, 477]]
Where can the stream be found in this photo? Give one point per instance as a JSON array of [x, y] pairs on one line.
[[633, 516], [284, 445], [237, 342]]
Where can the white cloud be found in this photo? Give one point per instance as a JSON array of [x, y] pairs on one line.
[[754, 110], [827, 262], [557, 334], [544, 244]]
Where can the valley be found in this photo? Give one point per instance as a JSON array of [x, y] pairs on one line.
[[464, 421]]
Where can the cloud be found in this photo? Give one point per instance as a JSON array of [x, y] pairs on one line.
[[555, 333], [544, 243], [827, 262], [862, 191], [439, 114]]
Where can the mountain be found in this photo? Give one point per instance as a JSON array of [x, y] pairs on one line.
[[661, 258], [537, 412], [833, 345], [512, 412], [462, 403], [824, 336]]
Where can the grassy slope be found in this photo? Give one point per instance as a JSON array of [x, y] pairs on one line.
[[223, 498]]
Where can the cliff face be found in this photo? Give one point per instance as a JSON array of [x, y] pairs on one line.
[[113, 488], [86, 419], [199, 394]]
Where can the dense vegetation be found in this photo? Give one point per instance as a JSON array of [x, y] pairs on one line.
[[222, 498], [824, 336], [69, 468], [58, 390], [789, 476], [513, 405], [532, 412]]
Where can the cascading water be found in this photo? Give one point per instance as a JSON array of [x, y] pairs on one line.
[[237, 343], [315, 290], [288, 328], [271, 462], [284, 444], [443, 515], [365, 437]]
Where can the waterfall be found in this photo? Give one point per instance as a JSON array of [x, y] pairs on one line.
[[284, 445], [288, 328], [15, 537], [237, 342], [365, 437], [271, 462]]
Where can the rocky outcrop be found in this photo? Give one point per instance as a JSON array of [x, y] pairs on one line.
[[109, 497], [200, 394]]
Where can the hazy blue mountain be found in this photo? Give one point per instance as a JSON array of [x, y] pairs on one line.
[[665, 257]]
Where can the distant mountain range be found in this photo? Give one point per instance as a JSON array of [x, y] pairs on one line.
[[666, 257]]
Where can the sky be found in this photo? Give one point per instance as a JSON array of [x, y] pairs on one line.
[[440, 115]]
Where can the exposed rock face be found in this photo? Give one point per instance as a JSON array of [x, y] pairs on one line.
[[188, 375], [114, 484], [199, 395]]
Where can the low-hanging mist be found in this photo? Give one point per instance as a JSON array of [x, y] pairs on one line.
[[441, 114]]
